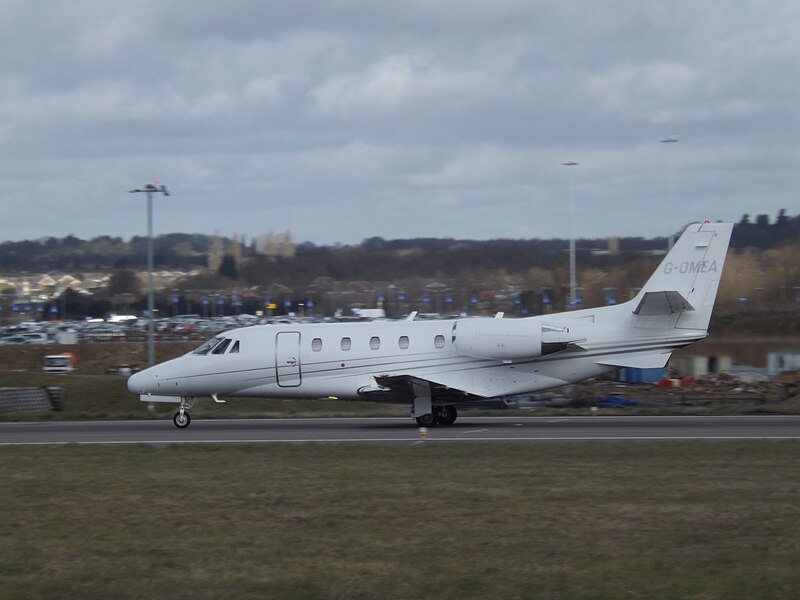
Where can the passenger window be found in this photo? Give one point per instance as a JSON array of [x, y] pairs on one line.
[[438, 341], [346, 343], [222, 346], [316, 344], [403, 342], [235, 348], [374, 343]]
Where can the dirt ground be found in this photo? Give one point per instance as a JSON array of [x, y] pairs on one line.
[[96, 358]]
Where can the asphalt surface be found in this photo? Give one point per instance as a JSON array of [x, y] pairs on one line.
[[404, 431]]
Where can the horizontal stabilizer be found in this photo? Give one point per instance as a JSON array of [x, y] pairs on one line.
[[647, 360], [662, 303]]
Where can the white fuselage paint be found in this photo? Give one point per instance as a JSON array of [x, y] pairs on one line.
[[281, 360], [459, 359]]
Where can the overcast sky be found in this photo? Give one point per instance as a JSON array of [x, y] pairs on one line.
[[342, 120]]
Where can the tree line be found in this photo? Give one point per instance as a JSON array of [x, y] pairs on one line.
[[372, 258], [441, 275]]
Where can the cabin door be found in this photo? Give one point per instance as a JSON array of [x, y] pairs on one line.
[[287, 358]]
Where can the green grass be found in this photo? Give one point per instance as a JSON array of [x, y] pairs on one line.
[[107, 397], [656, 520]]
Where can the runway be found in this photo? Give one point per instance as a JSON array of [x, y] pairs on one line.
[[404, 431]]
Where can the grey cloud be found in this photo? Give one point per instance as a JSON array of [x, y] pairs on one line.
[[343, 120]]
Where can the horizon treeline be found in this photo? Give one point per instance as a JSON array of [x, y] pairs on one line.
[[519, 277], [369, 259]]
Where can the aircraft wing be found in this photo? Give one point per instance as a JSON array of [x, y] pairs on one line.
[[402, 385], [399, 388], [405, 382], [463, 384]]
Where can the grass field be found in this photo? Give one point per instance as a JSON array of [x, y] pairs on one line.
[[655, 520], [107, 397]]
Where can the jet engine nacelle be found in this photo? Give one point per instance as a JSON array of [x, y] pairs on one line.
[[509, 339], [498, 339]]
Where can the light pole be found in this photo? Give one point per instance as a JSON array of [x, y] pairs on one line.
[[669, 140], [572, 276], [150, 189]]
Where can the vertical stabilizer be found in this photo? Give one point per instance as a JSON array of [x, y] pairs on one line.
[[692, 269]]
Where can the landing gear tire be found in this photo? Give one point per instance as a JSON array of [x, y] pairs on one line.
[[182, 419], [428, 420], [445, 415]]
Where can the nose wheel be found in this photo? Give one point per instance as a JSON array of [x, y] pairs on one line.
[[182, 419]]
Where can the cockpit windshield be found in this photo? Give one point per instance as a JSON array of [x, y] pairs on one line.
[[218, 345], [208, 346], [221, 347]]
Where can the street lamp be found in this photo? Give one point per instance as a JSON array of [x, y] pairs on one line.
[[572, 276], [150, 189], [672, 139]]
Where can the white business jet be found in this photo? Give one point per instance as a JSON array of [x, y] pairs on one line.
[[435, 367]]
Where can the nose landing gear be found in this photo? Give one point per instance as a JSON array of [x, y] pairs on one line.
[[182, 418]]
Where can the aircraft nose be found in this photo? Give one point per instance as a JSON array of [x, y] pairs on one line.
[[142, 382]]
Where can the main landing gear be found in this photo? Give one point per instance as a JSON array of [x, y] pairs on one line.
[[425, 412], [441, 415]]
